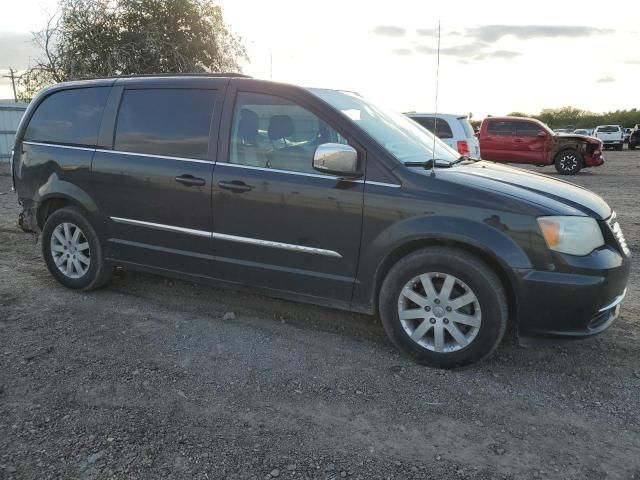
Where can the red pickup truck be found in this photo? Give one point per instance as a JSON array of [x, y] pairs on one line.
[[526, 140]]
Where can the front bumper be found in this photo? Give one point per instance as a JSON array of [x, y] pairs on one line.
[[573, 305]]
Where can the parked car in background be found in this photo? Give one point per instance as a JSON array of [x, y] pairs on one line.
[[582, 131], [173, 175], [611, 136], [454, 130], [634, 138], [526, 140], [627, 134]]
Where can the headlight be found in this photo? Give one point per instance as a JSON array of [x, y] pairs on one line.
[[572, 235]]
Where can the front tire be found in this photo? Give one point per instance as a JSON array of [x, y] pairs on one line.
[[72, 250], [443, 307], [569, 162]]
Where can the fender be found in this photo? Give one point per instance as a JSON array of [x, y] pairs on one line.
[[489, 237], [54, 187]]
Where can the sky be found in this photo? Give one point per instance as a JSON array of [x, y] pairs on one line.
[[495, 57]]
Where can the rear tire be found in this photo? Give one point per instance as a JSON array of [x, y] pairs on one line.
[[619, 147], [632, 147], [453, 307], [72, 250], [569, 162]]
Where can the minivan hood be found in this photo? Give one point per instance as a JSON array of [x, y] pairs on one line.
[[557, 195]]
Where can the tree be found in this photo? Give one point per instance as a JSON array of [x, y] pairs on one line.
[[571, 116], [97, 38]]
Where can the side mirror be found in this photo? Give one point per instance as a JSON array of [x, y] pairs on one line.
[[336, 159], [542, 134]]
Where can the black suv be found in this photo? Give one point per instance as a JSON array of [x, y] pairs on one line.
[[313, 195]]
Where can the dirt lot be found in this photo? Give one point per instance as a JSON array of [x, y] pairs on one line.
[[145, 379]]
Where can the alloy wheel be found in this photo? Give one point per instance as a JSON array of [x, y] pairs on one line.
[[569, 162], [70, 250], [439, 312]]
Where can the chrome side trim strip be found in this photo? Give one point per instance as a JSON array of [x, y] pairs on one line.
[[275, 170], [119, 152], [150, 155], [614, 302], [303, 174], [70, 147], [231, 238], [382, 184], [226, 164], [161, 226], [280, 245]]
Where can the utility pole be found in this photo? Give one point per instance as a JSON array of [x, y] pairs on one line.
[[12, 76]]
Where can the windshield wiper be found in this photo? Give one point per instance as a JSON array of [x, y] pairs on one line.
[[428, 165], [465, 158]]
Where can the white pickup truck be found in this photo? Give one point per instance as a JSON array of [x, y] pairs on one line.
[[610, 136]]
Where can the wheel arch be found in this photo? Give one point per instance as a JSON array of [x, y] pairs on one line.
[[56, 194], [484, 254]]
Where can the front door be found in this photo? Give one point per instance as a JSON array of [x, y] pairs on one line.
[[154, 185], [277, 222], [528, 143]]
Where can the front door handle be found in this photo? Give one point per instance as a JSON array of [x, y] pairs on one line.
[[190, 181], [235, 186]]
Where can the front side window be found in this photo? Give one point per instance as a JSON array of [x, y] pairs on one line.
[[165, 121], [398, 134], [527, 129], [442, 128], [69, 117], [502, 128], [272, 132]]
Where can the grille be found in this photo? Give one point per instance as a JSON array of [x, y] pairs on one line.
[[617, 233]]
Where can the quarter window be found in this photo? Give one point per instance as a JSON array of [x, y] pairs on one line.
[[164, 121], [272, 132], [69, 116], [443, 130], [502, 128]]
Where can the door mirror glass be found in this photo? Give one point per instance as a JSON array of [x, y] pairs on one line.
[[337, 159]]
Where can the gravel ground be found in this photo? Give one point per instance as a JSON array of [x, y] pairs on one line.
[[152, 378]]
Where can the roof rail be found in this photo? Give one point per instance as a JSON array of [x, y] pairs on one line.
[[191, 74]]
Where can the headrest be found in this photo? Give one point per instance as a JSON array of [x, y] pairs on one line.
[[248, 125], [280, 126]]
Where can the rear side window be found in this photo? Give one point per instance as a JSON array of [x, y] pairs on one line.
[[164, 121], [502, 128], [466, 127], [527, 129], [69, 116], [443, 130]]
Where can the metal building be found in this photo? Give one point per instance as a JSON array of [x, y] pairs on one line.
[[10, 115]]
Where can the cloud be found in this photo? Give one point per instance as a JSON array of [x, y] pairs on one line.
[[607, 79], [470, 51], [499, 54], [433, 32], [492, 33], [403, 51], [389, 31], [632, 62]]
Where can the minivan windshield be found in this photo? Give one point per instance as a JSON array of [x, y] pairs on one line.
[[402, 137]]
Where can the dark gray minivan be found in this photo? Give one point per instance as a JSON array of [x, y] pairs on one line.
[[318, 196]]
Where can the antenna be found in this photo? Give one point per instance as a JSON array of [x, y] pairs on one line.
[[435, 116]]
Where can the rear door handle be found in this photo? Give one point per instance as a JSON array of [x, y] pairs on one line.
[[235, 186], [190, 181]]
